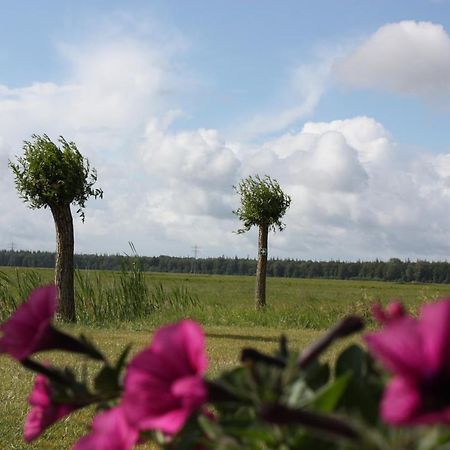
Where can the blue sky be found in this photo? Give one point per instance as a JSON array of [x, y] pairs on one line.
[[346, 103], [242, 50]]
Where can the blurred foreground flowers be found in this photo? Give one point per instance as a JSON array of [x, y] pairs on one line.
[[284, 400]]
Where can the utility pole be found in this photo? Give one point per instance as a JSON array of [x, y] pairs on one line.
[[196, 250], [13, 246]]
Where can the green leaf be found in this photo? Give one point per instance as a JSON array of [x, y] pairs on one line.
[[329, 396], [366, 385], [353, 359], [106, 380], [317, 374], [208, 427], [122, 359]]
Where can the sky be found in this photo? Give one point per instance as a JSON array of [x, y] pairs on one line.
[[346, 104]]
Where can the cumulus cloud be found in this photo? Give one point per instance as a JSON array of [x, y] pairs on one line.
[[198, 157], [111, 87], [407, 57], [195, 169], [354, 195]]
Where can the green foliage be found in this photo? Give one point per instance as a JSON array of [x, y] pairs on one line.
[[48, 175], [127, 296], [262, 203]]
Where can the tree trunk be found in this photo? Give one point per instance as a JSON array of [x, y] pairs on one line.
[[260, 293], [64, 261]]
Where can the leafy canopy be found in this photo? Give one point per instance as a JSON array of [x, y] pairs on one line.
[[50, 176], [262, 203]]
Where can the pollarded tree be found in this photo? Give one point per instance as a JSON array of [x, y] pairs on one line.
[[52, 176], [263, 204]]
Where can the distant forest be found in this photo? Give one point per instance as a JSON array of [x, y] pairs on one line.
[[392, 270]]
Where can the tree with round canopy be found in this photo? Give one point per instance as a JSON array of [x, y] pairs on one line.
[[263, 204], [55, 177]]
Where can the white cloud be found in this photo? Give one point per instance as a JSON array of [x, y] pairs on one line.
[[166, 188], [305, 87], [196, 157], [355, 196], [332, 165], [407, 57], [193, 172], [112, 86]]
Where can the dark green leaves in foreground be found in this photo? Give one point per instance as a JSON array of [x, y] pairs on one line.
[[272, 402]]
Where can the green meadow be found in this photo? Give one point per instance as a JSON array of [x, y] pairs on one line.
[[125, 307]]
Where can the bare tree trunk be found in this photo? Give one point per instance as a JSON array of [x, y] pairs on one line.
[[64, 261], [260, 293]]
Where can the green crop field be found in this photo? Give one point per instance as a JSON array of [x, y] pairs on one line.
[[300, 308]]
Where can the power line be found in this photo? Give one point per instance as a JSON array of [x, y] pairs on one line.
[[196, 250]]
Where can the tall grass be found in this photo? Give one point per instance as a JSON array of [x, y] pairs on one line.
[[127, 296], [124, 296], [15, 287]]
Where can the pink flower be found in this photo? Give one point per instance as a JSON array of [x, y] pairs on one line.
[[417, 353], [29, 329], [110, 431], [393, 311], [164, 384], [43, 411]]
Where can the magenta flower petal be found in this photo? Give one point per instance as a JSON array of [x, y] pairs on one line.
[[441, 416], [393, 311], [435, 331], [401, 402], [43, 411], [190, 389], [185, 342], [379, 314], [29, 329], [418, 355], [164, 384], [398, 347], [110, 431], [404, 403]]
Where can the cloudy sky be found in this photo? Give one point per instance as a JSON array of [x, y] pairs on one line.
[[346, 104]]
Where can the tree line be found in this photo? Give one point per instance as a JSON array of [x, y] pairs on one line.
[[392, 270]]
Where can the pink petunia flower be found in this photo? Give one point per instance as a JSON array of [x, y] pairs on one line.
[[164, 384], [417, 353], [43, 411], [393, 311], [110, 431], [29, 329]]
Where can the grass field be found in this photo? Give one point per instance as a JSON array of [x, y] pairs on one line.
[[300, 308], [228, 300]]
